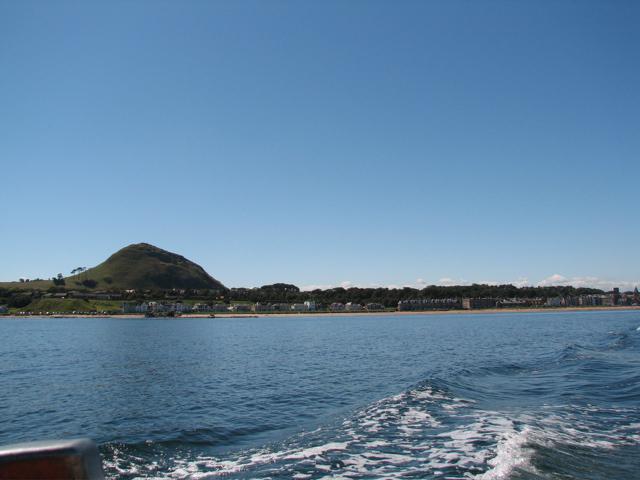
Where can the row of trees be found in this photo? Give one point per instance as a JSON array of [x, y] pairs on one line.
[[287, 293], [390, 297]]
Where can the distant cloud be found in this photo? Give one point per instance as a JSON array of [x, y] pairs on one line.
[[449, 282], [344, 284], [591, 282], [521, 282], [308, 288], [553, 280], [420, 283]]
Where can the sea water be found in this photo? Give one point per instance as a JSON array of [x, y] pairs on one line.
[[487, 396]]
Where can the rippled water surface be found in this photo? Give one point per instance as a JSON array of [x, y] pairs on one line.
[[522, 396]]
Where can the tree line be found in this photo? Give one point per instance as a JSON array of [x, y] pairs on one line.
[[288, 293]]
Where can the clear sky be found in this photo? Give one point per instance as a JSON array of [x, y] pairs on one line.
[[321, 143]]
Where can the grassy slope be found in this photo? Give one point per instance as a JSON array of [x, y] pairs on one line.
[[39, 285], [139, 266], [69, 305]]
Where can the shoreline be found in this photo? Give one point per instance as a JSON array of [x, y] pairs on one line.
[[485, 311]]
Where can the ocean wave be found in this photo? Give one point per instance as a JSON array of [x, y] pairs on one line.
[[425, 432], [489, 423]]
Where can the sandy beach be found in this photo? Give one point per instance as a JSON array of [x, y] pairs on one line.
[[484, 311]]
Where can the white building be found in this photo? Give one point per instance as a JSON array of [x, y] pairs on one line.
[[262, 307], [240, 307], [353, 307], [372, 307], [219, 307], [201, 307], [554, 302], [182, 307]]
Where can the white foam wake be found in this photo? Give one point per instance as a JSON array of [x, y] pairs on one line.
[[422, 433]]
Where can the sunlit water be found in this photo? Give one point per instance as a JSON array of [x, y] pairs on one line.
[[527, 396]]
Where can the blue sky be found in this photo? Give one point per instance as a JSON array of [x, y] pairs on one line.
[[322, 143]]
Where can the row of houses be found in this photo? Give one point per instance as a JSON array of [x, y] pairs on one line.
[[180, 307], [85, 295], [429, 304], [613, 298], [172, 307], [355, 307], [422, 304], [308, 306]]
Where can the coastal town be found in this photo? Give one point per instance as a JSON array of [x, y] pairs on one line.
[[615, 298], [144, 280], [179, 307]]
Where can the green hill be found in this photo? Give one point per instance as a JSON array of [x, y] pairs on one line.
[[140, 267]]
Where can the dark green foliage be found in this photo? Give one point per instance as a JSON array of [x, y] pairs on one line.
[[19, 301], [281, 287], [391, 297]]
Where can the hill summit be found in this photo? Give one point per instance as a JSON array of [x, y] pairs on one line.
[[142, 266]]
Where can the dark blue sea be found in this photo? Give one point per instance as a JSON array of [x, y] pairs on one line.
[[487, 396]]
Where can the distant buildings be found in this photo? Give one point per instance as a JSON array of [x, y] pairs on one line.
[[307, 306], [240, 308], [262, 307], [421, 304], [201, 308], [280, 307], [353, 307], [374, 307], [554, 302], [474, 303], [615, 296], [3, 309], [219, 307], [519, 302], [175, 307], [93, 295], [609, 299]]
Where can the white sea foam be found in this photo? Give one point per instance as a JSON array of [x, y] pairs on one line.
[[512, 452], [423, 433], [316, 451]]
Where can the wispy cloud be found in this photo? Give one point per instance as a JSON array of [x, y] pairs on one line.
[[342, 284], [592, 282], [419, 283], [449, 281], [553, 280], [521, 282]]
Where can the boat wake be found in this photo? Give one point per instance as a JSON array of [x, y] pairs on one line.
[[423, 432], [439, 430]]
